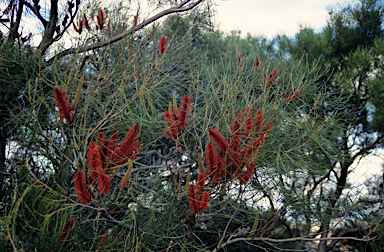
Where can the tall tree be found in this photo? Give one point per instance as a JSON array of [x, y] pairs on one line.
[[349, 53]]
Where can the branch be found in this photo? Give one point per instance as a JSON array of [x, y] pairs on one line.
[[350, 231], [35, 10], [176, 9], [13, 33], [50, 27], [303, 238], [369, 147]]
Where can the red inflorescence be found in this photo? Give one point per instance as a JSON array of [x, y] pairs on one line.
[[127, 149], [81, 189], [204, 201], [63, 105], [239, 58], [218, 139], [100, 20], [239, 155], [102, 155], [193, 199], [67, 229], [177, 121], [257, 64], [170, 123], [163, 44], [185, 105]]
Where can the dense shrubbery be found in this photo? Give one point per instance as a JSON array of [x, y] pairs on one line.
[[172, 138]]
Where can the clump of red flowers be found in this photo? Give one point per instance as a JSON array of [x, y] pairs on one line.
[[83, 23], [176, 119], [238, 154], [102, 156], [163, 44], [63, 105], [194, 192]]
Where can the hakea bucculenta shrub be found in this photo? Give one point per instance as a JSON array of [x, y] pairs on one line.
[[194, 192], [239, 154], [176, 119], [63, 105]]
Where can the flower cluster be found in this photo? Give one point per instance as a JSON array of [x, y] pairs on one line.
[[84, 23], [239, 154], [194, 192], [176, 118], [102, 156]]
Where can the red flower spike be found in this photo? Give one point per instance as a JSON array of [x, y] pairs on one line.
[[103, 241], [100, 20], [239, 58], [109, 27], [85, 22], [193, 199], [62, 103], [67, 229], [91, 156], [185, 105], [112, 144], [257, 64], [81, 189], [219, 139], [104, 182], [272, 78], [129, 148], [294, 95], [75, 27], [287, 94], [170, 122], [204, 201], [211, 159], [200, 182], [244, 174], [163, 44], [254, 148], [236, 134]]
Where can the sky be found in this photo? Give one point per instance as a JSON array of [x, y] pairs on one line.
[[273, 17]]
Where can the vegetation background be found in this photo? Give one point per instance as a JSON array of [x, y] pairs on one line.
[[118, 129]]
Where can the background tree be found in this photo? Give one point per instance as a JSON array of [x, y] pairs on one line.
[[349, 50]]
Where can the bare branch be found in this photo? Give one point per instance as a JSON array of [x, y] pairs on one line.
[[35, 10]]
